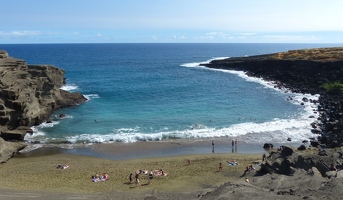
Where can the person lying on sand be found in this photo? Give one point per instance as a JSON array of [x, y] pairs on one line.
[[159, 172], [61, 166], [141, 171], [233, 163]]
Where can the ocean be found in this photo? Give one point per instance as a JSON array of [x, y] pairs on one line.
[[158, 92]]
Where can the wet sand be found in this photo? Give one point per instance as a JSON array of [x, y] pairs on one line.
[[152, 149]]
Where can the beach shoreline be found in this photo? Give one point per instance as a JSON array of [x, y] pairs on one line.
[[151, 149]]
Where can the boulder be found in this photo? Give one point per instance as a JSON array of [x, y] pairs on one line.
[[331, 174], [9, 149], [340, 174], [302, 147]]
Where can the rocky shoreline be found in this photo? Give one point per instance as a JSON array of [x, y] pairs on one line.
[[29, 95], [308, 173], [302, 71]]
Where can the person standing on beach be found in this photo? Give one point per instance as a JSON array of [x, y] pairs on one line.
[[233, 142], [212, 146], [236, 146], [220, 167], [151, 176], [131, 178], [263, 157], [137, 179]]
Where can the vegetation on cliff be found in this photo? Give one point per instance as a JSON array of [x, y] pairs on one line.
[[333, 88]]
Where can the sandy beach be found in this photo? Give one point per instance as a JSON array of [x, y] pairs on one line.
[[36, 172]]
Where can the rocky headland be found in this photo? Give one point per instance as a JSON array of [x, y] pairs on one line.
[[29, 94], [311, 71], [307, 172]]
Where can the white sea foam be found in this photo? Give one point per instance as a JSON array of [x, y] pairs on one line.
[[51, 124], [91, 96], [277, 130], [197, 64], [70, 87], [31, 147], [38, 134]]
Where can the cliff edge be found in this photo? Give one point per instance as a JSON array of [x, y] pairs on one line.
[[29, 94]]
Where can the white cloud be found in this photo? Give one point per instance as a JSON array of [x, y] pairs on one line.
[[245, 34], [291, 38], [19, 33]]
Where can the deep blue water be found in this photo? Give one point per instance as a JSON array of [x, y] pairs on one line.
[[158, 91]]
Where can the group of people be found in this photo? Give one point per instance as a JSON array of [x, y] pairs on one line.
[[234, 142], [234, 145], [151, 176], [98, 178]]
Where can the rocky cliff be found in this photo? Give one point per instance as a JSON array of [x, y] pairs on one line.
[[29, 94], [302, 71]]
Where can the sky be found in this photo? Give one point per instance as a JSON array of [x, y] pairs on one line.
[[171, 21]]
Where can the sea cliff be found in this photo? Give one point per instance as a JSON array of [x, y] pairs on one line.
[[29, 94], [302, 71]]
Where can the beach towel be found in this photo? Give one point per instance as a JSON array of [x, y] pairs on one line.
[[233, 163]]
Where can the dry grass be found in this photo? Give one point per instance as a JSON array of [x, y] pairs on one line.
[[325, 54], [40, 173]]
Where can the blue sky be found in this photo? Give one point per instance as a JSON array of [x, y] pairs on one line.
[[172, 21]]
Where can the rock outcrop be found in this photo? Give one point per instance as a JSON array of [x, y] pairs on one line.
[[29, 94], [289, 174], [9, 149], [301, 71]]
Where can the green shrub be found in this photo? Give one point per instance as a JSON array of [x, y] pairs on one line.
[[333, 88]]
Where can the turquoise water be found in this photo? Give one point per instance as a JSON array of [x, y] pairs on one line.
[[140, 92]]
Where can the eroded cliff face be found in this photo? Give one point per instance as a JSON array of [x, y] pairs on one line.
[[29, 94]]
